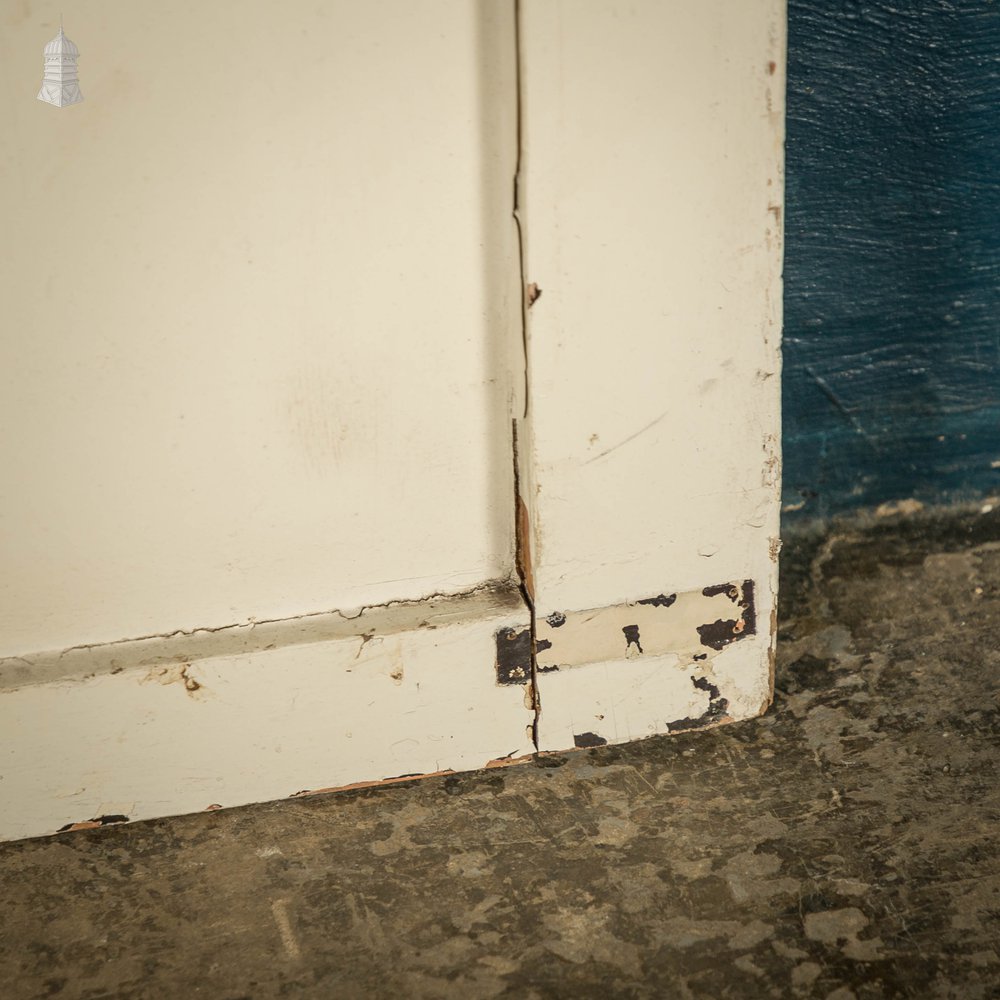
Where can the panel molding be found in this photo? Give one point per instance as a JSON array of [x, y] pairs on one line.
[[181, 724]]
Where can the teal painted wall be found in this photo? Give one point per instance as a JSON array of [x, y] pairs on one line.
[[892, 254]]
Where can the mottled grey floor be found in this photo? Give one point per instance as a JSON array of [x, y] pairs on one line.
[[846, 845]]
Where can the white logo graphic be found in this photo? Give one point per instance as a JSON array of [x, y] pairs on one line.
[[60, 85]]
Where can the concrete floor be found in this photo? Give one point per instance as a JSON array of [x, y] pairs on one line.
[[845, 845]]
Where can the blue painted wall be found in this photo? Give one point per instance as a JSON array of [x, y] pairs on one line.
[[892, 254]]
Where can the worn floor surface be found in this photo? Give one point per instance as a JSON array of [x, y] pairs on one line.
[[845, 845]]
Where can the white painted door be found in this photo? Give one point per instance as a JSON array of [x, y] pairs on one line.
[[260, 293], [277, 295]]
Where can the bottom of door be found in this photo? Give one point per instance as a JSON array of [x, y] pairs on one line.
[[135, 730]]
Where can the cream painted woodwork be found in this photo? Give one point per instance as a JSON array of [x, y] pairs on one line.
[[295, 302], [650, 202], [256, 714], [259, 294]]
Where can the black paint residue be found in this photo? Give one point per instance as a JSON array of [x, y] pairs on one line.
[[556, 620], [660, 601], [588, 740], [546, 670], [723, 631], [717, 706], [700, 656], [720, 633], [108, 820], [749, 609], [514, 655], [631, 637]]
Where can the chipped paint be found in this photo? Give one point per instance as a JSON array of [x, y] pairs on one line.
[[669, 663], [723, 631], [715, 712], [113, 819], [513, 659], [633, 641], [645, 485], [179, 673], [682, 624]]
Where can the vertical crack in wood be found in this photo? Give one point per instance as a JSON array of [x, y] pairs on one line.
[[518, 208], [522, 517], [522, 560]]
